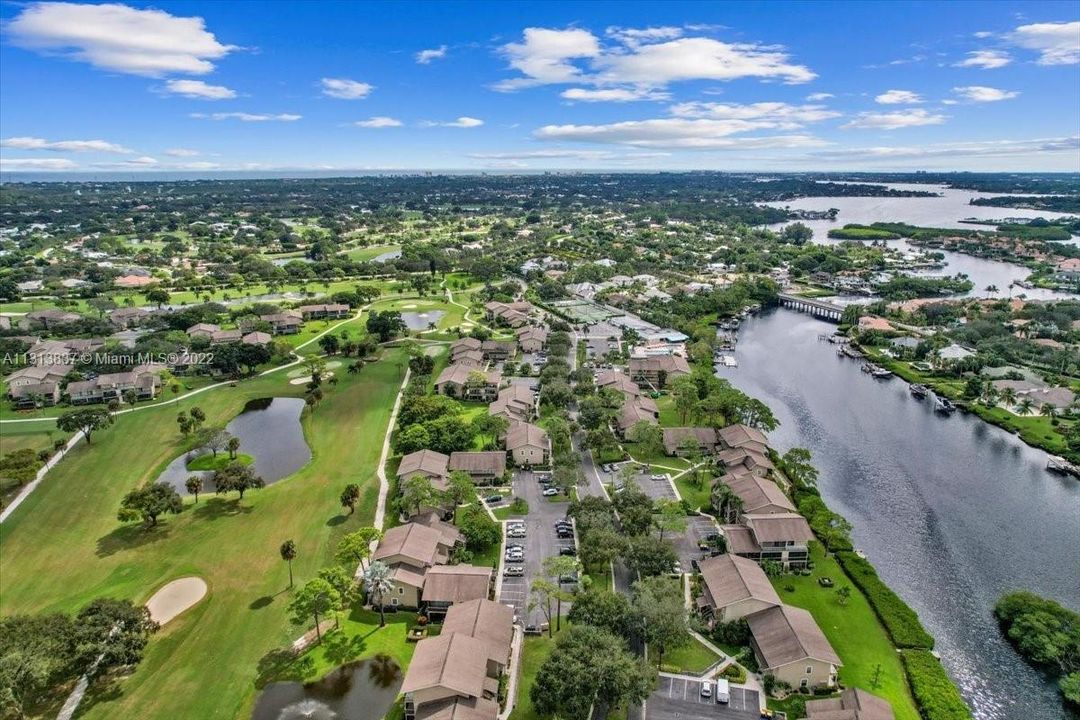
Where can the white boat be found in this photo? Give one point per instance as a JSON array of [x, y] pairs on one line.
[[728, 361], [1061, 465]]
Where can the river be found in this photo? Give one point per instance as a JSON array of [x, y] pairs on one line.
[[945, 211], [952, 511]]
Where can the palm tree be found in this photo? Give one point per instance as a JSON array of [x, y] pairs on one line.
[[1047, 410], [990, 289], [1008, 396], [378, 584], [1025, 406], [288, 554]]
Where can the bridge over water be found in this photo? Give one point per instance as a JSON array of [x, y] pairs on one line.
[[818, 308]]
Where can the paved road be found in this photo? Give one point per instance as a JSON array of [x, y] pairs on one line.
[[540, 542], [679, 698]]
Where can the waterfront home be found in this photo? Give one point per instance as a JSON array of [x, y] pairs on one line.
[[781, 536], [287, 322], [456, 675], [676, 440], [528, 444], [485, 468], [732, 588], [743, 436], [759, 496], [952, 353], [790, 646], [1068, 270], [746, 457], [326, 310], [852, 704], [657, 371], [468, 383]]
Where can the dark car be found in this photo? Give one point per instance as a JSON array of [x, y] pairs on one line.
[[568, 551], [492, 499]]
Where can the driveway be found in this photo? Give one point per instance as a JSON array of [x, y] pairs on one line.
[[678, 697], [540, 542]]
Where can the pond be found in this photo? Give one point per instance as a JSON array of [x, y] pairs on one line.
[[357, 691], [421, 320], [269, 429]]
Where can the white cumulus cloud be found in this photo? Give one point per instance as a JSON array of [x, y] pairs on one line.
[[898, 97], [699, 134], [13, 164], [119, 38], [379, 121], [986, 59], [982, 94], [894, 120], [1057, 43], [345, 89], [248, 117], [199, 89], [182, 152], [36, 143], [764, 114], [461, 122], [635, 36], [818, 97], [426, 56], [612, 94], [544, 56]]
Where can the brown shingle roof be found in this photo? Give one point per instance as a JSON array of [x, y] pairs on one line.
[[453, 661], [739, 539], [459, 708], [522, 434], [730, 578], [779, 527], [674, 437], [756, 492], [425, 461], [491, 462], [853, 704], [489, 621], [456, 584], [411, 540], [786, 634], [739, 435]]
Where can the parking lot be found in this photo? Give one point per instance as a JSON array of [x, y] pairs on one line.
[[540, 542], [679, 698]]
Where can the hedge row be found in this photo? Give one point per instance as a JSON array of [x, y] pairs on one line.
[[899, 619], [935, 694]]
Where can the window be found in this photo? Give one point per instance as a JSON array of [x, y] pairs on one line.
[[401, 591], [804, 683], [809, 669], [394, 601]]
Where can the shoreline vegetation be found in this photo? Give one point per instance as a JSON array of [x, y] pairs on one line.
[[1046, 635]]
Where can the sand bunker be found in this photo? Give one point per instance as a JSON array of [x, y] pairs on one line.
[[307, 378], [176, 597]]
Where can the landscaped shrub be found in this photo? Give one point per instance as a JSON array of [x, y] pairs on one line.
[[899, 619], [735, 674], [519, 506], [935, 694]]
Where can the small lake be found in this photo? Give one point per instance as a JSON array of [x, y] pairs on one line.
[[269, 430], [391, 255], [945, 211], [421, 320], [363, 690]]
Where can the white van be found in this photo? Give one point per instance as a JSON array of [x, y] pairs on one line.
[[723, 691]]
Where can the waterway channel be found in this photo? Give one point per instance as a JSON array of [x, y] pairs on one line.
[[952, 511]]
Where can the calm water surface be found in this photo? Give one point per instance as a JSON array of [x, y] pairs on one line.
[[269, 430], [945, 211], [363, 690], [952, 511]]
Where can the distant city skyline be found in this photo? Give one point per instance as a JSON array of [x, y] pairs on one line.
[[207, 87]]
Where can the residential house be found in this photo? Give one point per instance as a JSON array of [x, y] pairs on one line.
[[528, 444], [113, 386], [514, 314], [456, 675], [759, 496], [128, 317], [852, 704], [226, 336], [745, 457], [50, 318], [743, 436], [133, 281], [485, 468], [36, 385], [734, 587], [790, 646], [636, 409], [425, 463], [531, 339], [472, 358], [288, 322], [781, 537], [675, 440], [449, 585], [329, 311], [617, 381], [468, 383], [657, 371], [516, 403], [498, 350], [1068, 270], [202, 330], [409, 550], [256, 338]]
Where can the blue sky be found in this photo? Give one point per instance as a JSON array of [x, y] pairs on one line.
[[722, 86]]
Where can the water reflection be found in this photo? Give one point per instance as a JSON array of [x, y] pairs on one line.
[[952, 511], [362, 690]]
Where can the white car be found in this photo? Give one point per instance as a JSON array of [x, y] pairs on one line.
[[549, 492], [514, 571], [659, 477], [515, 534]]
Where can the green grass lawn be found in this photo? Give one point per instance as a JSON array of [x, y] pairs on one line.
[[7, 412], [853, 630], [210, 462], [370, 253], [64, 546], [659, 459], [358, 637], [535, 651], [692, 657], [697, 495], [36, 436]]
